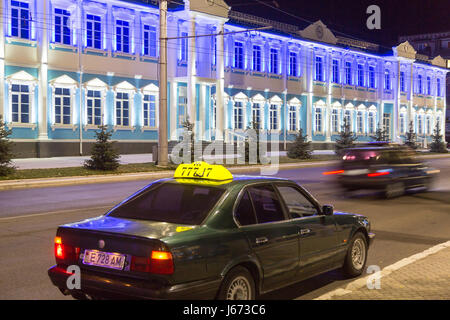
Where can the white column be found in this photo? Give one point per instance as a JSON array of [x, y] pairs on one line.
[[328, 123], [191, 94], [2, 63], [309, 85], [43, 54], [173, 110], [220, 74], [202, 108]]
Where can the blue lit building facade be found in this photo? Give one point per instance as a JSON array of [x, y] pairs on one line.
[[67, 66]]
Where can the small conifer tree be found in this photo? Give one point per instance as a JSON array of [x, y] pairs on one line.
[[380, 135], [346, 138], [6, 154], [104, 156], [438, 144], [300, 148], [410, 139]]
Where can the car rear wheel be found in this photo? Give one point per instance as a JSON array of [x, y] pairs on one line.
[[237, 285], [395, 189], [356, 258]]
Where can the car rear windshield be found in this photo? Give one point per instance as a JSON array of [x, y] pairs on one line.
[[172, 203], [361, 156]]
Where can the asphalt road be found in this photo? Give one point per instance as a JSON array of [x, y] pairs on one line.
[[28, 220]]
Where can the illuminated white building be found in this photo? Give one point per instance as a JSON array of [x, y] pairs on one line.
[[67, 66]]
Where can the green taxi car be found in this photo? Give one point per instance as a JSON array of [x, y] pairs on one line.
[[205, 234]]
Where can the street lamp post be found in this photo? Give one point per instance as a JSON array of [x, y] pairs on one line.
[[163, 148]]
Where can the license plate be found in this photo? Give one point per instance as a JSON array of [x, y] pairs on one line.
[[104, 259]]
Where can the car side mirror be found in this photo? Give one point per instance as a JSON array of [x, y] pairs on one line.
[[327, 210]]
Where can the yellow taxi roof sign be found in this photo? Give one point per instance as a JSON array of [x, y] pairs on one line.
[[202, 170]]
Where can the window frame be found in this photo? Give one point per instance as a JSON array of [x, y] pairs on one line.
[[303, 192], [318, 69], [30, 23], [257, 58], [66, 13], [257, 224]]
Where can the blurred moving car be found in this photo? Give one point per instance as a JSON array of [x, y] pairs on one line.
[[206, 234], [389, 167]]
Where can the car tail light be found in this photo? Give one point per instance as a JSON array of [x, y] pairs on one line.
[[64, 252], [378, 173], [160, 262], [333, 172]]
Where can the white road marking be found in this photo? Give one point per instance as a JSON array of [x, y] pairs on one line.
[[54, 212], [362, 282]]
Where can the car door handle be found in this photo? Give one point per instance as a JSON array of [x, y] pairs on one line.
[[304, 231], [261, 240]]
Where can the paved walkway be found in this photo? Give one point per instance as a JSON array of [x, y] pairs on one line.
[[63, 162], [424, 276]]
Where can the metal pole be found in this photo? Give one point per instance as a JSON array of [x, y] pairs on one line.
[[163, 148], [80, 34]]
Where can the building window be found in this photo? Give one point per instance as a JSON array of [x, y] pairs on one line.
[[402, 81], [387, 124], [402, 122], [94, 107], [429, 86], [256, 115], [387, 80], [122, 109], [184, 46], [123, 36], [420, 123], [348, 73], [273, 117], [359, 122], [336, 71], [293, 64], [239, 55], [318, 118], [273, 61], [93, 31], [428, 122], [348, 118], [335, 120], [293, 118], [371, 121], [150, 44], [372, 77], [319, 69], [149, 109], [20, 19], [214, 113], [419, 84], [438, 86], [62, 26], [256, 64], [21, 106], [182, 105], [63, 110], [360, 75], [238, 113]]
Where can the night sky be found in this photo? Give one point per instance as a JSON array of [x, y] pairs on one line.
[[348, 17]]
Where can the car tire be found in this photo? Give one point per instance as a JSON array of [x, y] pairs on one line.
[[356, 258], [394, 189], [238, 284]]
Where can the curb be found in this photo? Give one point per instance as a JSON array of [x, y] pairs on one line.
[[66, 181], [362, 282]]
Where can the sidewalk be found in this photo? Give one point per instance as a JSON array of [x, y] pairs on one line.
[[77, 161], [424, 276]]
